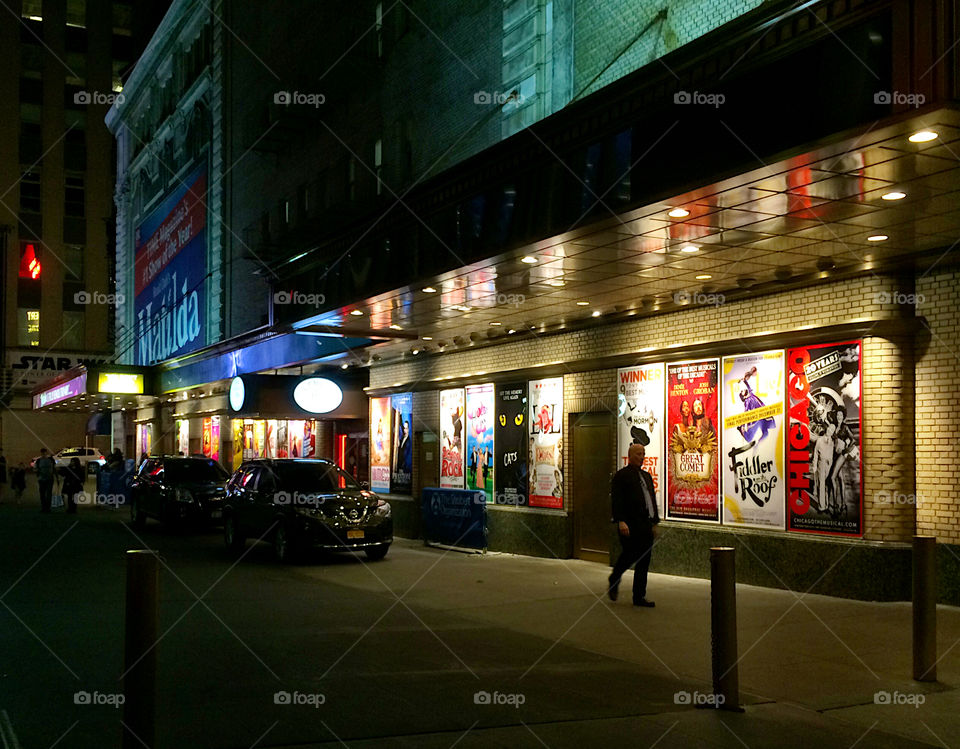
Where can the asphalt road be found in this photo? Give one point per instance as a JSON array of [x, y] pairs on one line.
[[404, 652]]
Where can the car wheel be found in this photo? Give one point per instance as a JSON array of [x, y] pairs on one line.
[[376, 553], [138, 518], [232, 536], [286, 549]]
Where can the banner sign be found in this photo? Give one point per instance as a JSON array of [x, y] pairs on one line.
[[754, 482], [480, 439], [380, 420], [455, 517], [64, 391], [693, 475], [451, 438], [823, 457], [546, 443], [170, 267], [510, 445], [640, 396], [29, 368], [401, 475]]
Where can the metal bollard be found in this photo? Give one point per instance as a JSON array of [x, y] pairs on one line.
[[723, 627], [925, 608], [140, 653]]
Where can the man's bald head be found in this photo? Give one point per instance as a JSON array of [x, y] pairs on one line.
[[635, 455]]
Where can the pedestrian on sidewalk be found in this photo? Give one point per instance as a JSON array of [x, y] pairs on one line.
[[3, 475], [18, 480], [45, 468], [73, 476], [635, 511]]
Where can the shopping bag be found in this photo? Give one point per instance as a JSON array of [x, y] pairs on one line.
[[56, 500]]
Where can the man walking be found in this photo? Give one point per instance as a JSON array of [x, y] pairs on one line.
[[45, 467], [635, 512]]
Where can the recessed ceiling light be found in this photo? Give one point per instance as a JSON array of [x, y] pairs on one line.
[[877, 238], [528, 259], [922, 136], [429, 290], [690, 248], [460, 308], [395, 327], [583, 304], [894, 195], [557, 283], [595, 313], [496, 323], [415, 351], [704, 277], [356, 313], [511, 331], [428, 338], [344, 366], [679, 213]]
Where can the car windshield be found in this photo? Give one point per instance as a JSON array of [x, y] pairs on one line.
[[194, 471], [312, 477]]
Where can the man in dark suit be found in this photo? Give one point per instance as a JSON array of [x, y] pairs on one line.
[[635, 512]]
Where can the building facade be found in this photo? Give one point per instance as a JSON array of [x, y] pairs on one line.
[[539, 232]]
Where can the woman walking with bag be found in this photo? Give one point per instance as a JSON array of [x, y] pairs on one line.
[[73, 476]]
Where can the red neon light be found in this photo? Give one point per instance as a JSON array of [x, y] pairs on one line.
[[30, 263]]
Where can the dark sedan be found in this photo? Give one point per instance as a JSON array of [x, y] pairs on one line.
[[302, 504], [174, 489]]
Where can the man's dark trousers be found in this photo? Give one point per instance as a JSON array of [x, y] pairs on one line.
[[636, 550], [46, 494]]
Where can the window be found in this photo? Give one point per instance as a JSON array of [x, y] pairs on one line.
[[352, 179], [29, 262], [30, 194], [122, 18], [379, 29], [74, 202], [304, 203], [28, 327], [73, 330], [32, 9], [77, 13], [284, 213], [378, 164]]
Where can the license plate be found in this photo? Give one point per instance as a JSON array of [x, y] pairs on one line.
[[354, 534], [216, 514]]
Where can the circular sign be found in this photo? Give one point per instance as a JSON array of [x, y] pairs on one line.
[[318, 395], [238, 392]]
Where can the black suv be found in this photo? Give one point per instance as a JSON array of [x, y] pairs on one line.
[[174, 489], [300, 504]]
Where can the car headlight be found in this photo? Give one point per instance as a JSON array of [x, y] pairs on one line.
[[382, 509], [183, 495]]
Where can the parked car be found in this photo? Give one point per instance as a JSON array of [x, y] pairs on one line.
[[299, 504], [174, 489], [90, 458]]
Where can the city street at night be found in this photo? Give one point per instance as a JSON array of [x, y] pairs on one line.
[[393, 653]]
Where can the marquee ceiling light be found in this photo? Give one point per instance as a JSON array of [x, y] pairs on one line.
[[528, 259], [894, 195], [704, 277], [679, 213], [496, 323], [429, 290], [395, 327], [428, 338], [583, 304], [877, 238], [690, 248], [922, 136], [356, 313], [557, 283], [595, 313]]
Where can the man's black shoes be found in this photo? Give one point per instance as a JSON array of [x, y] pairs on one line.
[[611, 589], [644, 603]]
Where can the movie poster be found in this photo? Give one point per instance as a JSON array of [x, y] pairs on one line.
[[259, 439], [183, 436], [283, 443], [451, 438], [480, 439], [825, 493], [309, 443], [640, 396], [207, 437], [401, 474], [295, 436], [753, 410], [510, 445], [238, 435], [380, 418], [693, 474], [546, 443]]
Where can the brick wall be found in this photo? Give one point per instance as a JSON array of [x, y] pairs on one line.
[[937, 417]]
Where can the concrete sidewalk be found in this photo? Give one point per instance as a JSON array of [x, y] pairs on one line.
[[401, 648]]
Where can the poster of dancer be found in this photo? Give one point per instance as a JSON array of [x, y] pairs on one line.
[[546, 443], [693, 473], [451, 438], [640, 396], [825, 486], [480, 423], [380, 418], [401, 475], [754, 483]]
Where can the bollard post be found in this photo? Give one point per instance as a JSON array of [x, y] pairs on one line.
[[723, 627], [925, 608], [140, 654]]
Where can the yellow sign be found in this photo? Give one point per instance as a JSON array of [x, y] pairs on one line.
[[116, 382]]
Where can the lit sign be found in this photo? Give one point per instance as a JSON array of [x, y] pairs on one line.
[[116, 382], [238, 392], [69, 389], [318, 395]]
